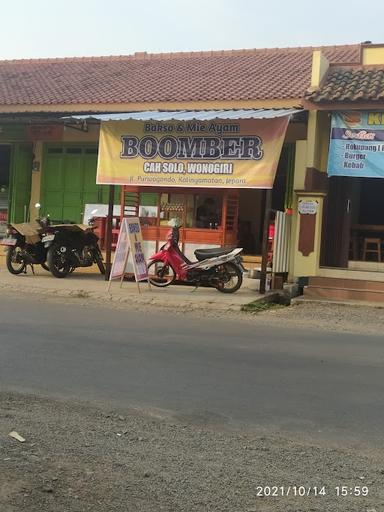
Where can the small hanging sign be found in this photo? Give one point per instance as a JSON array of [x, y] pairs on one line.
[[308, 207]]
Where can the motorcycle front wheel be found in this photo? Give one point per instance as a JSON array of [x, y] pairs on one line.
[[160, 274], [58, 263], [99, 260], [230, 278], [14, 260]]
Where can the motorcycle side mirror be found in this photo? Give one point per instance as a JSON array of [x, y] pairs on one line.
[[45, 222], [174, 222]]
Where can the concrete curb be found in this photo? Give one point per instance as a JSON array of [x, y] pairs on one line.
[[353, 303], [182, 303]]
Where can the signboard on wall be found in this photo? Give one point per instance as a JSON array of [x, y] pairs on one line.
[[211, 154], [45, 132], [357, 144], [307, 207], [10, 132]]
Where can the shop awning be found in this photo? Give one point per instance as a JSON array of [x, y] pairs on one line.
[[189, 115]]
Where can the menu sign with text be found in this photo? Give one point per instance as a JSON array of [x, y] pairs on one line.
[[357, 144], [130, 242]]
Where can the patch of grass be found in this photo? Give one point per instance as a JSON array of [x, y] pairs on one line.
[[257, 306]]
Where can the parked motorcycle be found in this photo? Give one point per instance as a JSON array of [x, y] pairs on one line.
[[24, 245], [217, 268], [71, 246]]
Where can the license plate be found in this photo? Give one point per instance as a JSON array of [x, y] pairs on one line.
[[10, 242], [48, 238]]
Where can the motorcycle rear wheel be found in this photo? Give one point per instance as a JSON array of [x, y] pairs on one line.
[[162, 274], [58, 264], [15, 264], [230, 278]]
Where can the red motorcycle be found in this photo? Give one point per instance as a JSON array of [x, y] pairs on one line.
[[217, 268]]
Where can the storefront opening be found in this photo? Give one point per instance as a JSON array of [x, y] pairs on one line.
[[201, 210], [252, 204], [5, 163], [353, 227]]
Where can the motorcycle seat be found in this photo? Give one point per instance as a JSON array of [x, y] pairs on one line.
[[203, 254]]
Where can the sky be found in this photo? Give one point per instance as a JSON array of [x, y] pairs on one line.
[[67, 28]]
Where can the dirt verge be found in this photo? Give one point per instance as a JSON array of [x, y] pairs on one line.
[[79, 457]]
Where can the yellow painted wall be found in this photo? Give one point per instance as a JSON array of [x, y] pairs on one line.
[[318, 139], [298, 184], [307, 265], [320, 66], [312, 153], [304, 265], [300, 164], [373, 55], [323, 134]]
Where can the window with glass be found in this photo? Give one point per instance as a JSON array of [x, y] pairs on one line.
[[172, 206], [148, 209], [207, 211], [203, 211]]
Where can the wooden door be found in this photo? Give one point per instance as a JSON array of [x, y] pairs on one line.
[[230, 217], [337, 220]]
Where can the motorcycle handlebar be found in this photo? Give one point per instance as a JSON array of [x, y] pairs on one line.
[[176, 234], [44, 221]]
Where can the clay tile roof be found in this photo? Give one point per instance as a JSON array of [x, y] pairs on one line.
[[356, 83], [261, 74]]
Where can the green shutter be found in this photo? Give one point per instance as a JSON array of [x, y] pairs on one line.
[[69, 182], [52, 183], [73, 180], [21, 169]]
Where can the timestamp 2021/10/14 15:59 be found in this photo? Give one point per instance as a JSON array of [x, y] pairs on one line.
[[304, 490]]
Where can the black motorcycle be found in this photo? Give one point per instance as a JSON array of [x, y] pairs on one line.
[[24, 246], [71, 246]]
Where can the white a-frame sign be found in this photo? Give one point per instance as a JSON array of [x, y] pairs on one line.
[[130, 241]]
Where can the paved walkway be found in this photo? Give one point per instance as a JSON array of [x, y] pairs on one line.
[[89, 285]]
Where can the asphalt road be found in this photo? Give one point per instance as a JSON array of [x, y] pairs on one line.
[[327, 387]]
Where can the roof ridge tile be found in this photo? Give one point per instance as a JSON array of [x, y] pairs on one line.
[[167, 55]]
